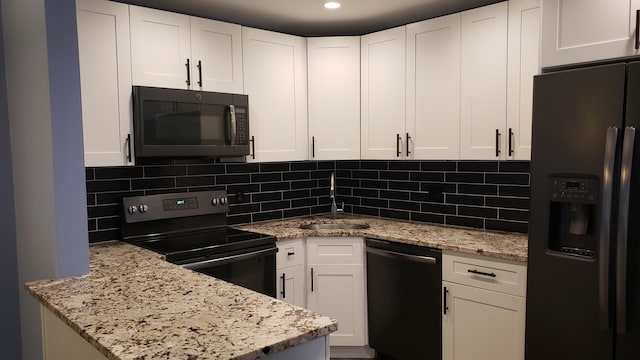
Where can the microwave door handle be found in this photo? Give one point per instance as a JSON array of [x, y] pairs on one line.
[[233, 126]]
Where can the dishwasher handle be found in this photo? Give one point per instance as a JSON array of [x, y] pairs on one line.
[[403, 256]]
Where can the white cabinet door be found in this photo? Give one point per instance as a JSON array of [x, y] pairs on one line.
[[383, 94], [337, 291], [433, 88], [334, 97], [275, 67], [105, 81], [290, 285], [160, 48], [216, 56], [523, 64], [577, 30], [290, 279], [482, 324], [483, 82], [335, 285]]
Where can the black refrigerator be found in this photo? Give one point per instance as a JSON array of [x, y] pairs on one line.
[[583, 275]]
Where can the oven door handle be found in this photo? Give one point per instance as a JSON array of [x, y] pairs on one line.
[[229, 259]]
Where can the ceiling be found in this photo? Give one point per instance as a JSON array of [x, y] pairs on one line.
[[310, 18]]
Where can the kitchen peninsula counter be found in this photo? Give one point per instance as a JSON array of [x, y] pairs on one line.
[[504, 245], [135, 305]]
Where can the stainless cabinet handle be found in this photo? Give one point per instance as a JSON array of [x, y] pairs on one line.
[[200, 73], [128, 141], [398, 139], [283, 293], [623, 226], [510, 142], [444, 301], [605, 227], [408, 138], [253, 147], [478, 272], [497, 142], [188, 66]]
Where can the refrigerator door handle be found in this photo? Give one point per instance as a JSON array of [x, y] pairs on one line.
[[605, 233], [623, 227]]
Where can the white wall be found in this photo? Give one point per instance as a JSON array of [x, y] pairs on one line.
[[43, 93], [9, 301]]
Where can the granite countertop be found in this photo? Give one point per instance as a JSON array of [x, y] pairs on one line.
[[134, 305], [511, 246]]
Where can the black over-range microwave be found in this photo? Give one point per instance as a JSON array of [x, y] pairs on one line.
[[189, 123]]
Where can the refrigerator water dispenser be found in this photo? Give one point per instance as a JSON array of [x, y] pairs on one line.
[[573, 203]]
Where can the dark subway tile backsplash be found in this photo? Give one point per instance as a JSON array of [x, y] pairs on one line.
[[481, 194]]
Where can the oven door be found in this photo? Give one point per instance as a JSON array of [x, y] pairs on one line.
[[253, 268]]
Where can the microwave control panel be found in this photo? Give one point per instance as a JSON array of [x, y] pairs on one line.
[[242, 128]]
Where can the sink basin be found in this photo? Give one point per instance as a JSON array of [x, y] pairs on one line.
[[334, 226]]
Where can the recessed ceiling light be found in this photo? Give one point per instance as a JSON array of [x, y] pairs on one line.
[[332, 5]]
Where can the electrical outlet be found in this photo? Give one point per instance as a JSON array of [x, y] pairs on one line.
[[241, 197]]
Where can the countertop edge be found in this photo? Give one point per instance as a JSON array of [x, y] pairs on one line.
[[285, 229]]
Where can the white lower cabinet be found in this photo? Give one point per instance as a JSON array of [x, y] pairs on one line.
[[335, 286], [290, 279], [484, 308], [60, 342]]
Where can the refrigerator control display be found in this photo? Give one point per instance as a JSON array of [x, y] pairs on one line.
[[574, 190]]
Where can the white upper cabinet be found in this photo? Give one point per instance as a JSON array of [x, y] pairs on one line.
[[433, 88], [275, 76], [216, 53], [523, 64], [105, 81], [334, 97], [183, 52], [483, 82], [383, 94], [160, 48], [576, 30]]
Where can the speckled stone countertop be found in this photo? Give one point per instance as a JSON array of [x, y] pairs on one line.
[[512, 246], [134, 305]]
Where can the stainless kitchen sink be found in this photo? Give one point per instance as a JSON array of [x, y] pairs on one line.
[[334, 226]]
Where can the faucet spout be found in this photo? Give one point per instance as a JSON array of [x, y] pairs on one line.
[[332, 196]]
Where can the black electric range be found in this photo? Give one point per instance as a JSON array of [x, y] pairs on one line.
[[190, 229]]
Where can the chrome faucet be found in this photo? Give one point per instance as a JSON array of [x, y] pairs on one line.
[[332, 196]]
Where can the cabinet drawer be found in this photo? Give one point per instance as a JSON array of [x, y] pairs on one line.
[[504, 276], [290, 253], [335, 250]]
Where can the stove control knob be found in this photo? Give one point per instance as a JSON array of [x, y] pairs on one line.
[[132, 209], [143, 208], [214, 201], [223, 200]]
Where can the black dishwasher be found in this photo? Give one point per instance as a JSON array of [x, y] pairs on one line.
[[404, 294]]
